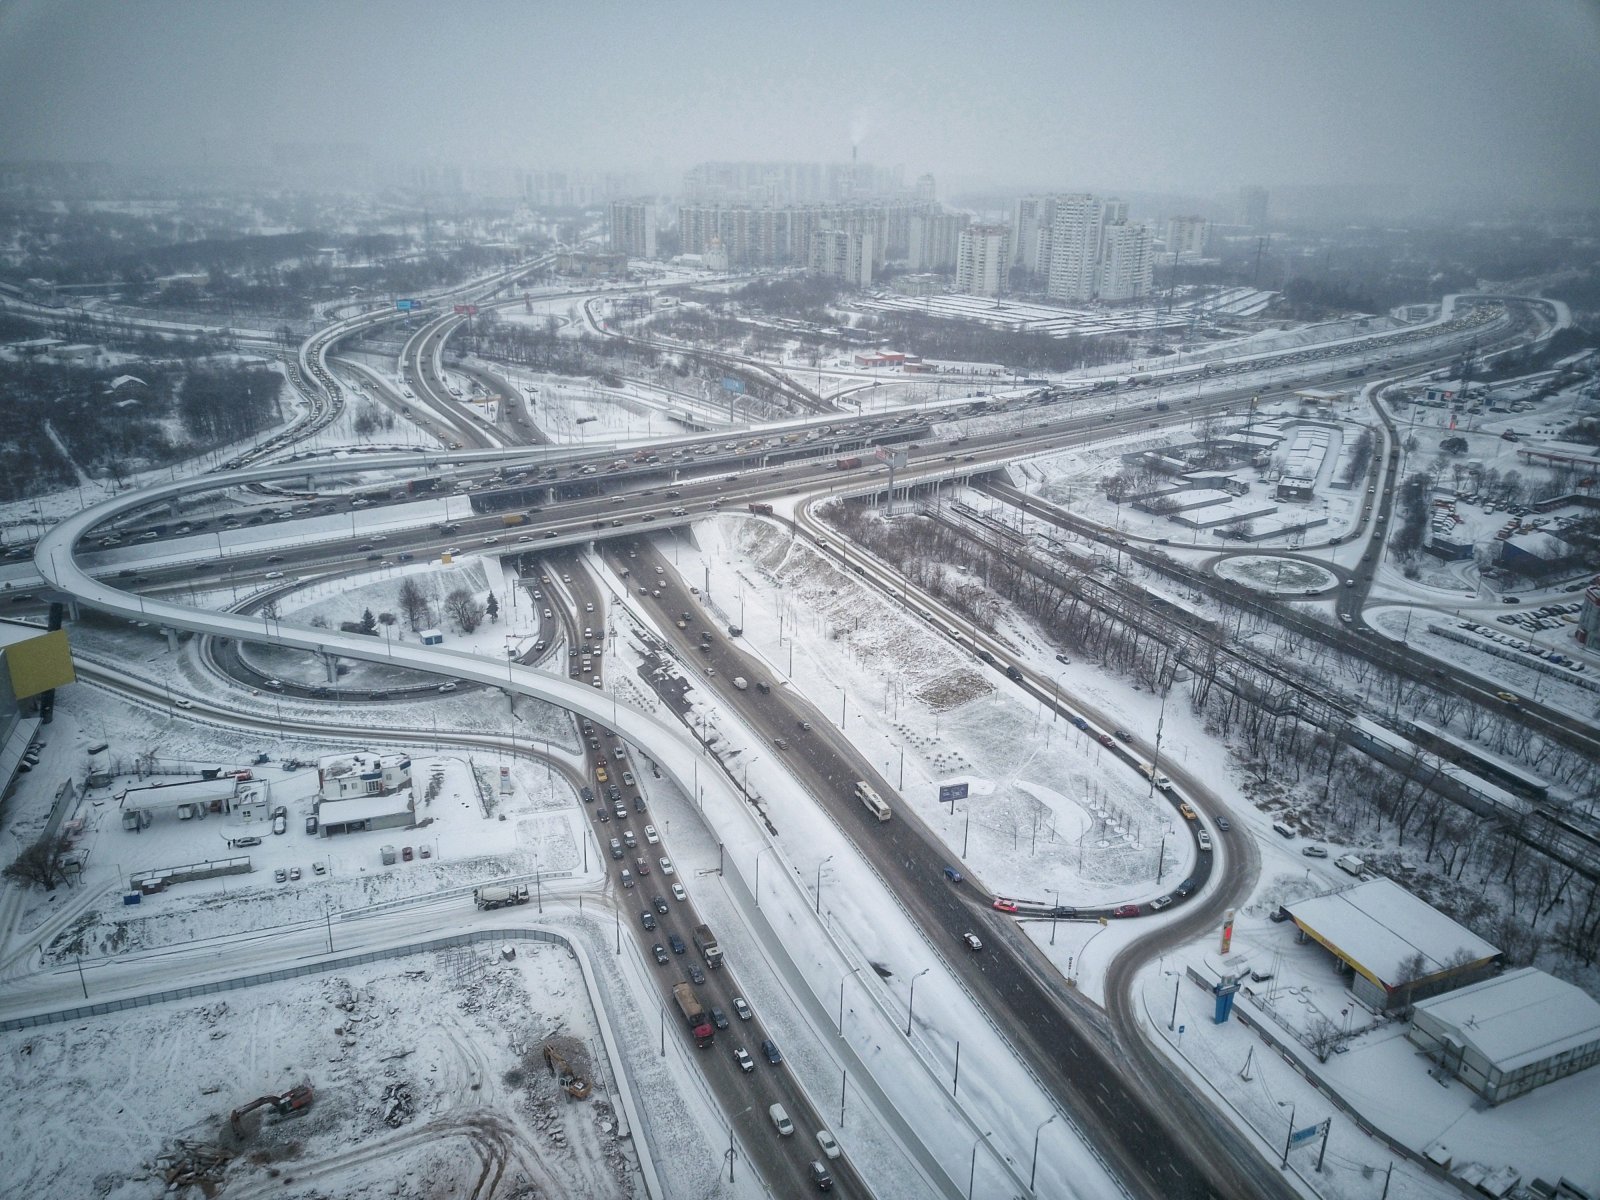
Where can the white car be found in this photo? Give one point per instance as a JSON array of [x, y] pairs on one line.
[[650, 835], [826, 1141], [666, 867], [678, 893]]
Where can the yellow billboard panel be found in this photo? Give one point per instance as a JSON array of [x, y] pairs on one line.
[[39, 664]]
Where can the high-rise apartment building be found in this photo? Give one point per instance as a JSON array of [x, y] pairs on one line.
[[781, 236], [844, 254], [1096, 252], [925, 189], [935, 240], [1187, 235], [1253, 207], [1030, 237], [1075, 228], [983, 260], [1126, 261], [633, 228]]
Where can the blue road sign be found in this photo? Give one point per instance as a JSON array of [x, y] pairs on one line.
[[950, 792]]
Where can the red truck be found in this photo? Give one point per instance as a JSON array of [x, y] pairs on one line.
[[847, 464], [761, 510]]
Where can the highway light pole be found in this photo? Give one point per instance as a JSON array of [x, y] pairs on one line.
[[1033, 1172], [842, 978], [759, 853], [1055, 907], [820, 865], [912, 999]]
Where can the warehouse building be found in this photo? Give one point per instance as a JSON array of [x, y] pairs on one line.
[[1505, 1036], [1398, 948]]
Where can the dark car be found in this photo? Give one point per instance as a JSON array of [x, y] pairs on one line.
[[1079, 723], [696, 975], [660, 952], [649, 919], [675, 942], [1104, 739], [660, 904], [1123, 735], [719, 1018], [770, 1049]]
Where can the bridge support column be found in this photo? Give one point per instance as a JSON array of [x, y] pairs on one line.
[[330, 666], [172, 637]]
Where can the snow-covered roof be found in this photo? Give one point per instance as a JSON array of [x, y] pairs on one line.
[[335, 766], [363, 808], [1539, 545], [195, 791], [1518, 1018], [1377, 926]]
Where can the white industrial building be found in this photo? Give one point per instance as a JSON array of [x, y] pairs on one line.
[[1505, 1036]]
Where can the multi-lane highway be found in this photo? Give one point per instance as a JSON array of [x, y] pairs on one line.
[[1156, 1134]]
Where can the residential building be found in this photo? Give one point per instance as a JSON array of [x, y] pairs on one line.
[[843, 254], [1076, 224], [925, 189], [1030, 233], [633, 228], [781, 237], [983, 260], [935, 240], [1253, 208], [1187, 235], [1126, 261]]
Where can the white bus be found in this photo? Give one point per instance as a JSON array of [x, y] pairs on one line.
[[875, 803]]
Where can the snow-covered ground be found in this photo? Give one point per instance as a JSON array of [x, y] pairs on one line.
[[428, 1075]]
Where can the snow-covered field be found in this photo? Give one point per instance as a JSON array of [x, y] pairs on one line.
[[428, 1075]]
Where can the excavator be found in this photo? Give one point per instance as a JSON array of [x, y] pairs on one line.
[[286, 1104], [574, 1084]]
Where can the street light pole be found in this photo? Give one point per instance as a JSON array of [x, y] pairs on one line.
[[842, 978], [759, 853], [1034, 1170], [820, 865], [912, 999]]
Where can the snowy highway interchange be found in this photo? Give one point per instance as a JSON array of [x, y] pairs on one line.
[[955, 1008]]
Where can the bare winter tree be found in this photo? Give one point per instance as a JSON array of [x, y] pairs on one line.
[[39, 864], [413, 604], [467, 610]]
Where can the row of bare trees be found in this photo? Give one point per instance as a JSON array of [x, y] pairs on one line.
[[1287, 734]]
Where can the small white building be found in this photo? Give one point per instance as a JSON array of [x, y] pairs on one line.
[[1505, 1036], [343, 776], [360, 814]]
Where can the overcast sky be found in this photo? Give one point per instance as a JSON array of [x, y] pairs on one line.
[[1184, 96]]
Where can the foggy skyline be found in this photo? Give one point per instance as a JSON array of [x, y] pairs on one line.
[[1428, 95]]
